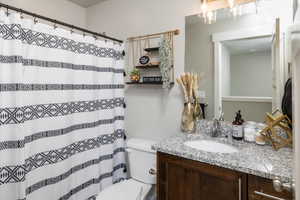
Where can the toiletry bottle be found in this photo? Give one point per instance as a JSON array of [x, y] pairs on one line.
[[238, 132]]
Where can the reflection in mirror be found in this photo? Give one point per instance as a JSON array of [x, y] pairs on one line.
[[247, 76], [241, 59], [249, 58]]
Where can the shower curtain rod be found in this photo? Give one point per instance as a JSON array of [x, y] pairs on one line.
[[176, 32], [58, 22]]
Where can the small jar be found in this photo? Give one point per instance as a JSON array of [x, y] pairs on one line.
[[250, 131], [259, 139]]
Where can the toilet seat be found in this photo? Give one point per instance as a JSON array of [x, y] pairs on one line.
[[125, 190]]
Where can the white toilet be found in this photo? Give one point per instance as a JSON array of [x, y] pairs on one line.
[[142, 171]]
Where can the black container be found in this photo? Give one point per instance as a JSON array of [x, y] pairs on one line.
[[238, 129], [152, 79]]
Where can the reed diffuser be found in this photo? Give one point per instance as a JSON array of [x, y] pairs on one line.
[[192, 110]]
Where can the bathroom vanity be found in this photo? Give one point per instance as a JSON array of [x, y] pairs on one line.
[[186, 173]]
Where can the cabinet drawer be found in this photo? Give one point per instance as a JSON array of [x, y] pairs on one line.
[[262, 189]]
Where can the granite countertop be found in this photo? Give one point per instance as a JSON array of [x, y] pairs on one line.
[[252, 159]]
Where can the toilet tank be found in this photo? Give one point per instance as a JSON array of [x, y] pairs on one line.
[[141, 160]]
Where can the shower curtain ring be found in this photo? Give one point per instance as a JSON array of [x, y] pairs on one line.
[[21, 14], [35, 20], [72, 31], [7, 12], [96, 38], [54, 25], [104, 33], [83, 34]]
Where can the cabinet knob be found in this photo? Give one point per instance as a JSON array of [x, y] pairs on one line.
[[280, 186], [152, 171], [277, 185]]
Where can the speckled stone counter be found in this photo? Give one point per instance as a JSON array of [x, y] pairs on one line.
[[252, 159]]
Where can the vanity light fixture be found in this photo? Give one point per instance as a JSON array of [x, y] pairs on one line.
[[209, 8], [231, 3], [209, 16]]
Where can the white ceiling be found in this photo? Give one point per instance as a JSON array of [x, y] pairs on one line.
[[249, 45], [87, 3]]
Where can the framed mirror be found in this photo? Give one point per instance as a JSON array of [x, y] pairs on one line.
[[243, 62]]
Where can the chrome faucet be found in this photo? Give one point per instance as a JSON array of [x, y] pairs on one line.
[[216, 132], [216, 128], [221, 118]]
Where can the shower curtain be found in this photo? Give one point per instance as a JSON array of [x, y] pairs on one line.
[[61, 112]]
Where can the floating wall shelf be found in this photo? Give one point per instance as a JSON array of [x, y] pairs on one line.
[[152, 49], [147, 66], [148, 61], [146, 83]]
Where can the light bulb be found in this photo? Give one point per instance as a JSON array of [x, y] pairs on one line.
[[215, 17], [240, 10], [204, 6], [231, 3], [210, 17], [234, 11]]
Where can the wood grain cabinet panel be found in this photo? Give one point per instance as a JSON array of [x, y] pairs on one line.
[[183, 179]]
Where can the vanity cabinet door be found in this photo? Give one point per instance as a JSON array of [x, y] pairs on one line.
[[183, 179], [262, 189]]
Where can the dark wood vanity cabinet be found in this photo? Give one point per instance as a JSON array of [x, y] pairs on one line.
[[184, 179]]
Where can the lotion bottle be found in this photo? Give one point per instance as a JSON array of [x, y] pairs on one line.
[[238, 130]]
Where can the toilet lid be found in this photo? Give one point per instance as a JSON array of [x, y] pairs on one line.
[[129, 190]]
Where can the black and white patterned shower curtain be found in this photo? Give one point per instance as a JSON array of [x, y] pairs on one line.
[[61, 112]]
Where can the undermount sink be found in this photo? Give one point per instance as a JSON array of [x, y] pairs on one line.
[[211, 146]]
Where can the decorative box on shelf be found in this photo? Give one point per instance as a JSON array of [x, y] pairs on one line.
[[147, 83], [152, 79], [148, 80], [152, 49]]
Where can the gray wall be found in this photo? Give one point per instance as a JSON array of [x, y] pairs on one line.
[[251, 74], [251, 111], [59, 9]]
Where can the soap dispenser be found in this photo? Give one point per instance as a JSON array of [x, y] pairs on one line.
[[238, 131]]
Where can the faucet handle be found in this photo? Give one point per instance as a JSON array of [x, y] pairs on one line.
[[221, 118], [216, 122]]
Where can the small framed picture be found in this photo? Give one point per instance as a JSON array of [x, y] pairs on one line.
[[144, 60]]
